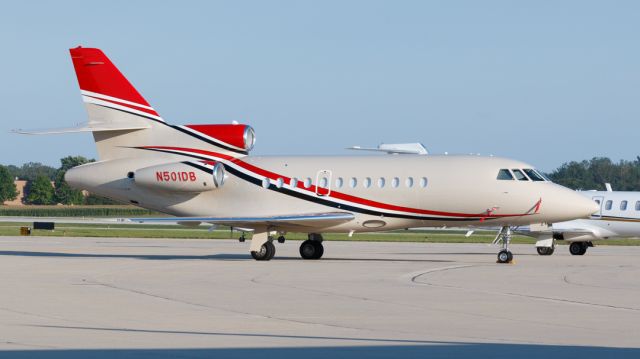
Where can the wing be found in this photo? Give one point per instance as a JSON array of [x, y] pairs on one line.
[[576, 230], [69, 220], [291, 222]]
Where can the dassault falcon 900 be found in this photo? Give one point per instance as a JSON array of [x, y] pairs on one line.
[[204, 174]]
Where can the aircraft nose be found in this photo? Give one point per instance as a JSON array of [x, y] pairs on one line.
[[579, 206]]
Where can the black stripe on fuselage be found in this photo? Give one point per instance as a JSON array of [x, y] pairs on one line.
[[311, 198], [324, 202]]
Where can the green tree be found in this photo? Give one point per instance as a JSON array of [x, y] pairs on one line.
[[41, 191], [8, 190], [594, 173], [63, 192], [31, 170]]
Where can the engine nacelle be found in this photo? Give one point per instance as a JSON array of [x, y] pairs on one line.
[[180, 177], [233, 136]]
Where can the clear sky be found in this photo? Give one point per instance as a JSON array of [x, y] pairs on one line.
[[540, 81]]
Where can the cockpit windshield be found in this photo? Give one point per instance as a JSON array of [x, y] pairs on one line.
[[533, 174], [505, 175], [525, 174], [519, 175]]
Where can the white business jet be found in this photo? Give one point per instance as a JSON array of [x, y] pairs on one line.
[[204, 173], [618, 217]]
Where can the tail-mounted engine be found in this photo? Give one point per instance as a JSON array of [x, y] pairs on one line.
[[234, 137], [180, 177]]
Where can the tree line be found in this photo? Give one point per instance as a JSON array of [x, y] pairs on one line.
[[39, 178], [594, 173], [588, 174]]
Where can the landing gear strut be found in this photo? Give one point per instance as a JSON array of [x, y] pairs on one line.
[[505, 255], [312, 248]]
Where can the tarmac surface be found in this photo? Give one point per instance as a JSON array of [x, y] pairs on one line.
[[155, 298]]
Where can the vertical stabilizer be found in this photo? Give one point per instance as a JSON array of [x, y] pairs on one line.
[[112, 102]]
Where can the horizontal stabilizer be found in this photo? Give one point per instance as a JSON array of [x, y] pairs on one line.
[[86, 127]]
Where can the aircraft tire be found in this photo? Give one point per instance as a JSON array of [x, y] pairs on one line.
[[319, 249], [266, 252], [578, 248], [281, 239], [545, 251], [585, 246], [505, 256], [311, 249]]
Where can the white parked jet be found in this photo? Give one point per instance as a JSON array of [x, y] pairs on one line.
[[203, 173], [618, 217]]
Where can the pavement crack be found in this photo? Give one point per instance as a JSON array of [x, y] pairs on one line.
[[415, 280], [198, 305]]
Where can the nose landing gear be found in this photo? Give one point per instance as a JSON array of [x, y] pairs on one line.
[[504, 236]]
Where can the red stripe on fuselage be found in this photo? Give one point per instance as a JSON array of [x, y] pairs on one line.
[[334, 194]]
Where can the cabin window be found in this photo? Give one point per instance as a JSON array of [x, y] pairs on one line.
[[608, 204], [367, 182], [637, 205], [307, 182], [519, 175], [381, 182], [339, 182], [266, 182], [533, 175], [279, 182], [353, 182], [409, 182], [395, 182], [623, 205], [293, 183], [505, 175], [324, 182], [423, 182]]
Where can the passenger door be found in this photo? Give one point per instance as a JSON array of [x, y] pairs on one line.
[[323, 183], [600, 201]]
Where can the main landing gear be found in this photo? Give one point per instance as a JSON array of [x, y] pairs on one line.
[[545, 251], [312, 248], [505, 255], [263, 248], [579, 248], [265, 253]]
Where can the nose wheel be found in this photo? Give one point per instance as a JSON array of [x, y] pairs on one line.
[[504, 236], [505, 256]]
